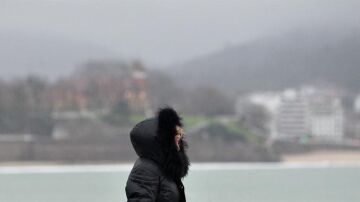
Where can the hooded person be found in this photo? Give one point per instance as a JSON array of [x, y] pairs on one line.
[[162, 163]]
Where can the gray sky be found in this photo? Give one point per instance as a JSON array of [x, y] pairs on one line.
[[165, 32]]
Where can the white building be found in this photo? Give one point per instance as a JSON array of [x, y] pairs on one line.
[[299, 113], [293, 117], [326, 114], [357, 104]]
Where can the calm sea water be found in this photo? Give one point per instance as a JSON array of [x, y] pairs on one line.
[[205, 183]]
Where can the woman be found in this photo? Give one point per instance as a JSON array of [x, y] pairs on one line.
[[162, 163]]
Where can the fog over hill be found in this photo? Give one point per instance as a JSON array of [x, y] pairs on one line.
[[46, 55], [291, 59]]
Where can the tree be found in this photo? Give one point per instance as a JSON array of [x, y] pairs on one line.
[[208, 101], [256, 118], [24, 107], [163, 90], [119, 115]]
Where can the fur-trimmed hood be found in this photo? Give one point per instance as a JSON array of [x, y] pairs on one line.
[[154, 139]]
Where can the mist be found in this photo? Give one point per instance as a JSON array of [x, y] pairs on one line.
[[160, 33]]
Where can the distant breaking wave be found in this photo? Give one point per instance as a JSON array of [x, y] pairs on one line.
[[48, 169]]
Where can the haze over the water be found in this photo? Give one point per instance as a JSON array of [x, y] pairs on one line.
[[52, 36]]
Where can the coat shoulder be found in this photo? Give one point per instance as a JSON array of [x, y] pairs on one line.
[[143, 182], [146, 169]]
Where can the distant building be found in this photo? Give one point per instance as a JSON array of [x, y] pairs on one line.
[[357, 126], [326, 117], [305, 113], [353, 123], [357, 104], [292, 116], [99, 86], [136, 94]]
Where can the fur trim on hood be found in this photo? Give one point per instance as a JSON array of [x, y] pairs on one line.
[[175, 163], [168, 119]]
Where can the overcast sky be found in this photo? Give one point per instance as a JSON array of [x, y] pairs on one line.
[[165, 32]]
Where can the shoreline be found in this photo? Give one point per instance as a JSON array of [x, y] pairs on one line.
[[324, 155], [111, 168], [314, 158], [115, 168]]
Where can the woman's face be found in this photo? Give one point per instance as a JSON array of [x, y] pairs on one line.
[[179, 135]]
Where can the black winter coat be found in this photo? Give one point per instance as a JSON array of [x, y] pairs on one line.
[[146, 183], [150, 180]]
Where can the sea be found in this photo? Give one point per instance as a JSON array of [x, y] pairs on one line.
[[206, 182]]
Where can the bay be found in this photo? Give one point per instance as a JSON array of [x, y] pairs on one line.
[[212, 182]]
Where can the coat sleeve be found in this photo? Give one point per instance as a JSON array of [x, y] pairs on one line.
[[142, 185]]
